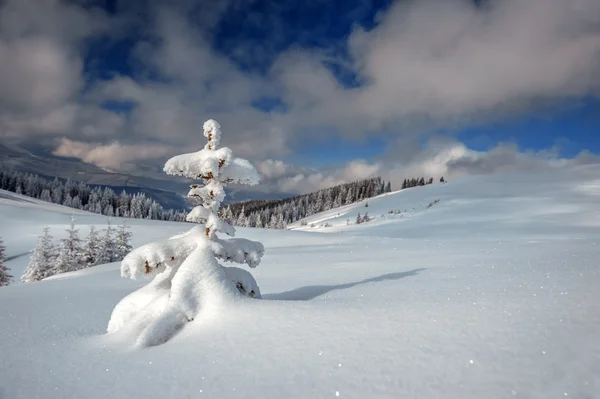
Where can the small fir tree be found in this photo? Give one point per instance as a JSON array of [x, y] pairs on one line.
[[108, 249], [5, 277], [41, 263], [365, 218], [91, 248], [123, 241], [70, 256], [185, 267]]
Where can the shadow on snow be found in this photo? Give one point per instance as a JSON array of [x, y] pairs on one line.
[[312, 291]]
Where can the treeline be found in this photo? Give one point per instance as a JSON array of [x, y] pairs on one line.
[[415, 182], [277, 214], [78, 195], [73, 253]]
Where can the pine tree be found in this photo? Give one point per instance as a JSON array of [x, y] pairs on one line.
[[91, 248], [5, 277], [337, 202], [42, 260], [258, 222], [349, 197], [46, 196], [123, 242], [108, 249], [70, 256], [280, 224], [187, 265], [272, 222], [388, 187], [124, 201], [241, 220], [365, 218]]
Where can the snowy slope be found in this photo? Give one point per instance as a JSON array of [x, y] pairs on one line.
[[491, 293]]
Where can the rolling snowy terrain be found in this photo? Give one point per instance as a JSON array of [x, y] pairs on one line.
[[492, 292]]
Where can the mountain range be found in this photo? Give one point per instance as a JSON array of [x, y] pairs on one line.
[[169, 191]]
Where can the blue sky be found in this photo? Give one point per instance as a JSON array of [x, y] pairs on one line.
[[254, 33], [319, 85]]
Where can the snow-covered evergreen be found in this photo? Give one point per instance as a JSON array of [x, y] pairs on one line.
[[5, 276], [74, 254], [277, 214], [81, 196], [42, 261], [70, 254], [107, 251], [91, 248], [122, 242], [187, 277]]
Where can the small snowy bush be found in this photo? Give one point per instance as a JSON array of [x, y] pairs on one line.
[[188, 279]]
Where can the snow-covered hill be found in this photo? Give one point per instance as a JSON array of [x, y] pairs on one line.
[[490, 293]]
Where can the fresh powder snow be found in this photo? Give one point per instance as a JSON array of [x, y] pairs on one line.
[[490, 292]]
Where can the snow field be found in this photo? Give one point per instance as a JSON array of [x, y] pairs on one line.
[[491, 293]]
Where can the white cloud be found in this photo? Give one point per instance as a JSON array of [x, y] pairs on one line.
[[427, 64], [114, 156]]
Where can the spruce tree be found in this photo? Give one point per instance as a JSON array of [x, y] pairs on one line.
[[5, 277], [123, 242], [42, 260], [91, 248], [70, 256], [108, 249], [186, 267]]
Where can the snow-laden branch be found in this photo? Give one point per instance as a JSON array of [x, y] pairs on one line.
[[238, 250]]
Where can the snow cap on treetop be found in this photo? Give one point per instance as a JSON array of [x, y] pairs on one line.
[[212, 131]]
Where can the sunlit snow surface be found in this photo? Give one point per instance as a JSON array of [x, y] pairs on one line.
[[494, 292]]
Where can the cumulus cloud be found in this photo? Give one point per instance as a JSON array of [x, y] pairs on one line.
[[438, 158], [110, 155], [42, 64], [276, 175], [432, 63], [426, 64]]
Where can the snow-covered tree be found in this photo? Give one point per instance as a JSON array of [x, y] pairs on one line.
[[188, 278], [122, 242], [359, 219], [70, 255], [365, 218], [91, 248], [5, 277], [107, 251], [42, 260]]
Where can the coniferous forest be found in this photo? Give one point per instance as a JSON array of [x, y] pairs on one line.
[[279, 213], [274, 214], [97, 199]]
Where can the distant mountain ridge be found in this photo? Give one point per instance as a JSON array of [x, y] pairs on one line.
[[169, 192]]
